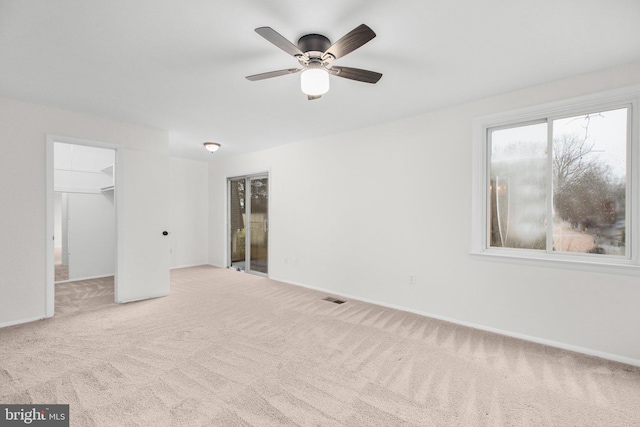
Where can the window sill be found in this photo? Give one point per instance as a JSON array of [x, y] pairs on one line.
[[621, 266]]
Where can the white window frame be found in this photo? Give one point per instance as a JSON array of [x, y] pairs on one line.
[[602, 101]]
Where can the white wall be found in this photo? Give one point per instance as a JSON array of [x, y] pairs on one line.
[[57, 220], [189, 208], [92, 236], [356, 213], [23, 130]]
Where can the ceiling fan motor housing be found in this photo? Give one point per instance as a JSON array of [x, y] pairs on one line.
[[314, 44]]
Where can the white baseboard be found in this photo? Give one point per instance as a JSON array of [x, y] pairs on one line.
[[187, 266], [20, 321], [164, 294], [84, 278], [550, 343]]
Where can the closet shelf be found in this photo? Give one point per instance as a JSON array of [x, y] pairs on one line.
[[108, 170]]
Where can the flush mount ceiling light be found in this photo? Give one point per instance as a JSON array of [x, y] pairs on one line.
[[315, 53], [211, 146]]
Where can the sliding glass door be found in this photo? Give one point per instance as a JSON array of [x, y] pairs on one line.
[[248, 213], [237, 231], [258, 206]]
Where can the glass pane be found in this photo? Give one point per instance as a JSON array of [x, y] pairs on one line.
[[237, 217], [259, 224], [589, 183], [518, 171]]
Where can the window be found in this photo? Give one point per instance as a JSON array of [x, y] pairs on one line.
[[553, 183]]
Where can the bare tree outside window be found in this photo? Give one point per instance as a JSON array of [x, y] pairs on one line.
[[589, 188], [588, 192]]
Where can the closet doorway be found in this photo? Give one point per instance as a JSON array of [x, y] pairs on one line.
[[248, 225], [84, 212]]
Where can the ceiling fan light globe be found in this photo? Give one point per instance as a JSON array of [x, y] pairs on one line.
[[314, 81]]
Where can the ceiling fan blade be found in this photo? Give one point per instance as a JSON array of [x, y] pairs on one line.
[[312, 97], [349, 42], [277, 39], [356, 74], [270, 74]]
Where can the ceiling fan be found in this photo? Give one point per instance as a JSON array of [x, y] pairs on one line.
[[315, 53]]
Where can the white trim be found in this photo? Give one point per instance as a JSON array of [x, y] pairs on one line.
[[618, 98], [49, 290], [85, 278], [77, 190], [227, 221], [578, 264], [530, 338], [118, 183], [164, 294], [565, 107], [549, 184], [100, 172], [49, 226], [255, 172], [633, 192], [187, 266], [82, 141], [20, 321]]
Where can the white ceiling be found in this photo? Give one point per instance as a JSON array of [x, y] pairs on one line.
[[180, 65]]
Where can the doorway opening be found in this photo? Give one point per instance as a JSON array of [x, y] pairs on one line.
[[84, 212], [81, 217], [248, 224]]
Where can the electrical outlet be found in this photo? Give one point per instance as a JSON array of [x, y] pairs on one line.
[[412, 279]]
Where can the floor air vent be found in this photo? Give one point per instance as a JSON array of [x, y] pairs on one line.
[[334, 300]]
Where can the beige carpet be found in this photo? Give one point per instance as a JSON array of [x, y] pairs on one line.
[[231, 349], [83, 296], [61, 271]]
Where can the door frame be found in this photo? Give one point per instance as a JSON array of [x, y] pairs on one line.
[[49, 211], [247, 208]]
